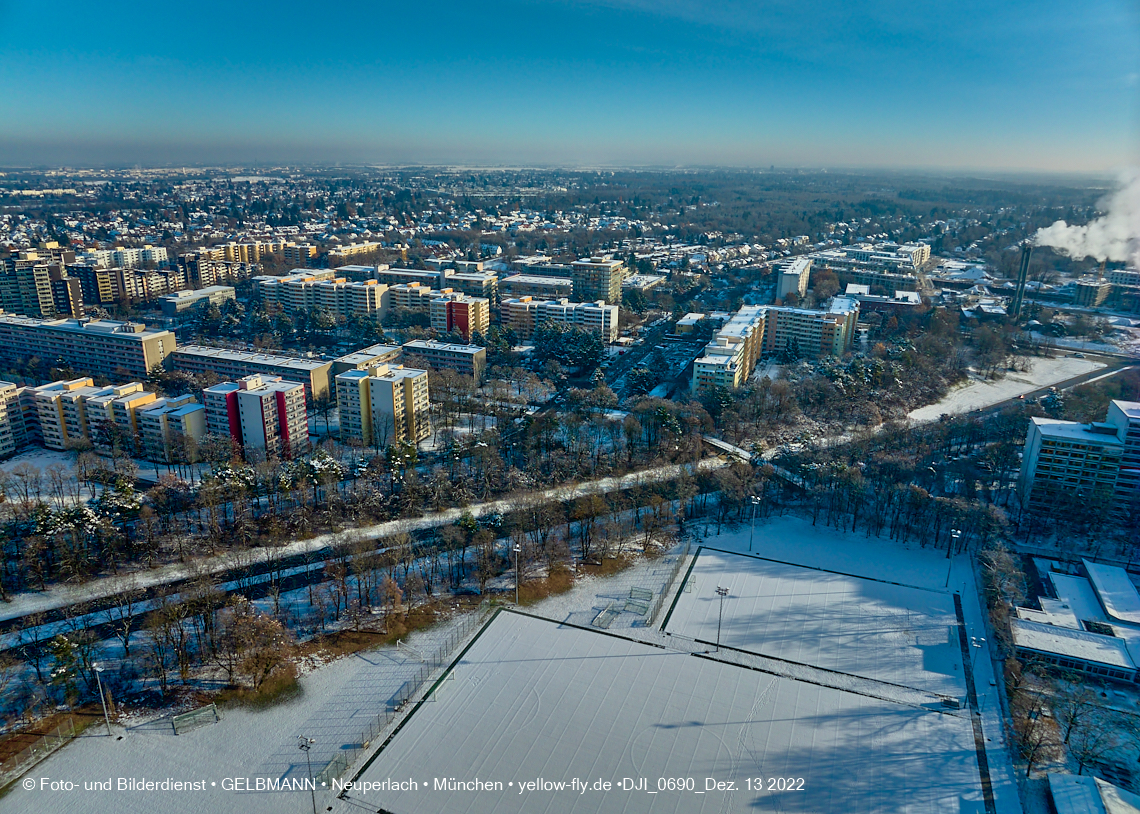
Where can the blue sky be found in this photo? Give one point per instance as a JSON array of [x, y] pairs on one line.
[[1011, 85]]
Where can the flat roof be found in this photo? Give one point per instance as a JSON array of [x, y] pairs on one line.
[[366, 354], [1077, 595], [1074, 431], [534, 279], [883, 631], [1078, 644], [534, 699], [1116, 592], [252, 358], [435, 344]]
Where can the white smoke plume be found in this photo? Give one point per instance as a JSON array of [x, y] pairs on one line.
[[1115, 236]]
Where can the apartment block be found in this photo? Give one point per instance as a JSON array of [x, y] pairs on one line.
[[204, 268], [413, 296], [466, 316], [731, 356], [756, 330], [473, 284], [337, 295], [429, 278], [1066, 457], [181, 301], [299, 254], [1091, 291], [525, 315], [598, 279], [383, 405], [806, 333], [13, 429], [99, 347], [368, 357], [264, 415], [77, 411], [344, 254], [1128, 277], [169, 428], [792, 276], [234, 365], [469, 360], [533, 285]]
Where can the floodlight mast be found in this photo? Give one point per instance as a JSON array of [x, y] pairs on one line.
[[305, 744], [722, 593]]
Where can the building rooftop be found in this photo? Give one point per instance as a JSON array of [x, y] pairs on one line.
[[1078, 644], [435, 344], [1116, 592], [253, 358], [1076, 432], [367, 354]]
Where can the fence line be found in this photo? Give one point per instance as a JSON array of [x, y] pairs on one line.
[[28, 757], [668, 587], [440, 657]]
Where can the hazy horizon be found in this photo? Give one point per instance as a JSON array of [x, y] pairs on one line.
[[1020, 87]]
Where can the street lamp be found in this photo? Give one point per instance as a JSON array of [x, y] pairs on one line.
[[102, 698], [976, 643], [518, 551], [755, 501], [955, 536], [722, 593], [305, 744]]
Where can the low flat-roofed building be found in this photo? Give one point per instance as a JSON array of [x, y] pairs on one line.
[[371, 356], [1069, 649], [179, 301], [1084, 794], [1115, 591], [642, 282]]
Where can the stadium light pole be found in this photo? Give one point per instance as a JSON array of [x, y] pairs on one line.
[[722, 593], [305, 744], [755, 500], [98, 668], [955, 536], [518, 551]]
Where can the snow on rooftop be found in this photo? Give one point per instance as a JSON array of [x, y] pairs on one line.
[[1116, 592], [879, 630], [535, 699], [1079, 644], [1077, 594]]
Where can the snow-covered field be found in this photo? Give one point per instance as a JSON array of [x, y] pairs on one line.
[[532, 699], [863, 744], [879, 630], [980, 394]]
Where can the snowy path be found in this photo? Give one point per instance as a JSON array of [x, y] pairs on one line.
[[63, 596]]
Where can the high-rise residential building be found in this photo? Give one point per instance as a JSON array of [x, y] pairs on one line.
[[100, 286], [1069, 458], [299, 254], [232, 364], [344, 254], [99, 347], [415, 297], [466, 316], [469, 360], [1125, 417], [598, 278], [539, 287], [383, 405], [203, 269], [13, 430], [338, 296], [169, 429], [1091, 291], [77, 411], [806, 333], [792, 276], [364, 358], [473, 283], [525, 315], [756, 330], [731, 356], [264, 415]]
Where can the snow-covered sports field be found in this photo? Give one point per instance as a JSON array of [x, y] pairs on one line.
[[866, 627], [535, 701]]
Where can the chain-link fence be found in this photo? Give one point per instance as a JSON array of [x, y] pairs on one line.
[[667, 588], [432, 662], [28, 757]]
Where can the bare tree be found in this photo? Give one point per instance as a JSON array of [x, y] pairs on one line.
[[122, 614]]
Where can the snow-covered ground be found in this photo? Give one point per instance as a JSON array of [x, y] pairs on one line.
[[980, 394], [853, 625], [532, 699], [860, 744]]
